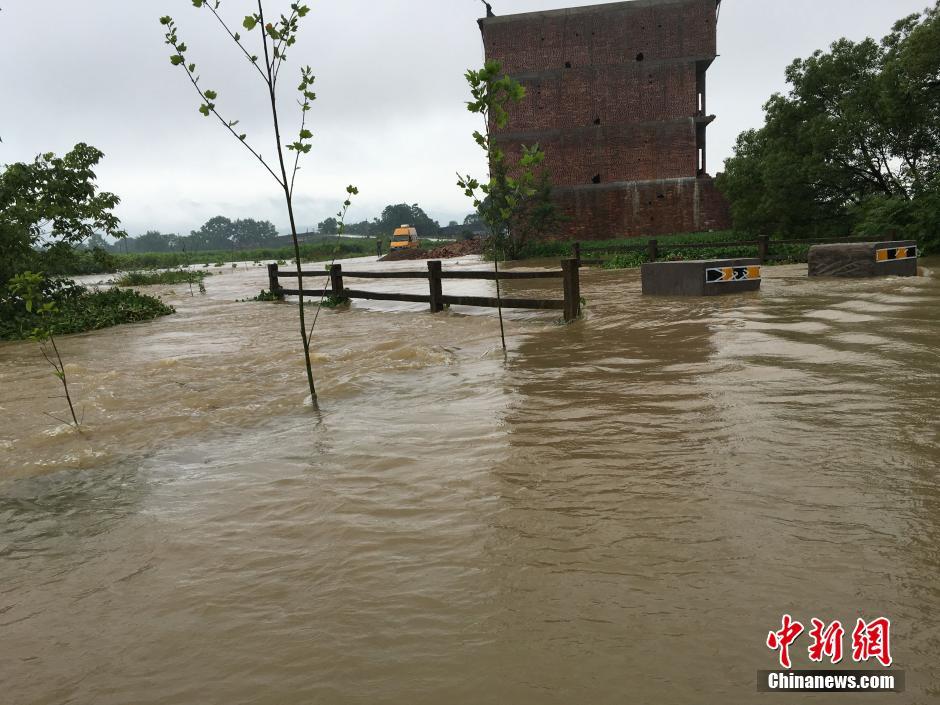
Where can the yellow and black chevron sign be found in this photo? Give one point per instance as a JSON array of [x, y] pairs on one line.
[[890, 254], [714, 275]]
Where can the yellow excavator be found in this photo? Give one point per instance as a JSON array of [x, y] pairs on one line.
[[405, 237]]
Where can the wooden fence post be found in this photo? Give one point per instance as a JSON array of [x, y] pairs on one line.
[[652, 250], [434, 279], [576, 252], [336, 280], [763, 248], [572, 284], [273, 284]]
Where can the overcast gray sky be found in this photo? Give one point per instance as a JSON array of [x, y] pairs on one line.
[[390, 116]]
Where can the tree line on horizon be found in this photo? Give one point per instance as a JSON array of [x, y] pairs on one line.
[[222, 233]]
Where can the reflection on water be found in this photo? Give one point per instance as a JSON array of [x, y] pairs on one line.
[[619, 511]]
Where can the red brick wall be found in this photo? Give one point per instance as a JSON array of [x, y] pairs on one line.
[[616, 153], [609, 36], [614, 95], [642, 209]]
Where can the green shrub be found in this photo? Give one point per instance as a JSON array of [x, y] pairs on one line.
[[334, 301], [174, 276], [625, 260], [265, 296], [79, 309]]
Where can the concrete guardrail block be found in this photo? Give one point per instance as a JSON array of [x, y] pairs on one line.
[[701, 277], [864, 259]]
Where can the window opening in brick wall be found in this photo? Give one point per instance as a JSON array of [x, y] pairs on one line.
[[700, 88]]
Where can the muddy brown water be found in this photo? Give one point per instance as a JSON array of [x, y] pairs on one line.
[[618, 512]]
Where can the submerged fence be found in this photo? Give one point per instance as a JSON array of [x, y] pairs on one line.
[[570, 305]]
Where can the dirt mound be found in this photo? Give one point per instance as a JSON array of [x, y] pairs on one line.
[[404, 254], [453, 249], [457, 249]]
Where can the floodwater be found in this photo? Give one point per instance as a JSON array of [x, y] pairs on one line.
[[618, 511]]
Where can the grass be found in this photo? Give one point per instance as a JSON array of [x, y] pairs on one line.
[[631, 252], [591, 248], [173, 276], [626, 260], [85, 263]]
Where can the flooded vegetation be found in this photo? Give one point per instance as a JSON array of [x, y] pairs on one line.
[[620, 508]]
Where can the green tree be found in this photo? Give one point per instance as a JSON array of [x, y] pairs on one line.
[[152, 241], [276, 41], [856, 138], [361, 228], [499, 200], [536, 215], [217, 233], [330, 226], [48, 207], [95, 241], [248, 233], [396, 215]]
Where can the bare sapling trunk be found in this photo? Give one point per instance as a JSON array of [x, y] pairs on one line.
[[499, 298], [59, 368], [276, 39]]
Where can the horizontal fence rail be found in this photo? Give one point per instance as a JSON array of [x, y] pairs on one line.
[[569, 274], [654, 249], [492, 276]]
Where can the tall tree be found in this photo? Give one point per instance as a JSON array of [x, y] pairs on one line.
[[860, 127], [361, 228], [330, 226], [153, 241], [50, 205], [248, 233], [215, 234], [399, 214]]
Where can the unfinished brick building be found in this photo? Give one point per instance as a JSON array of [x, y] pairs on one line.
[[615, 95]]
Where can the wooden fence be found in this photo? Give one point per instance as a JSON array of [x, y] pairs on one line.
[[570, 305], [654, 249]]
